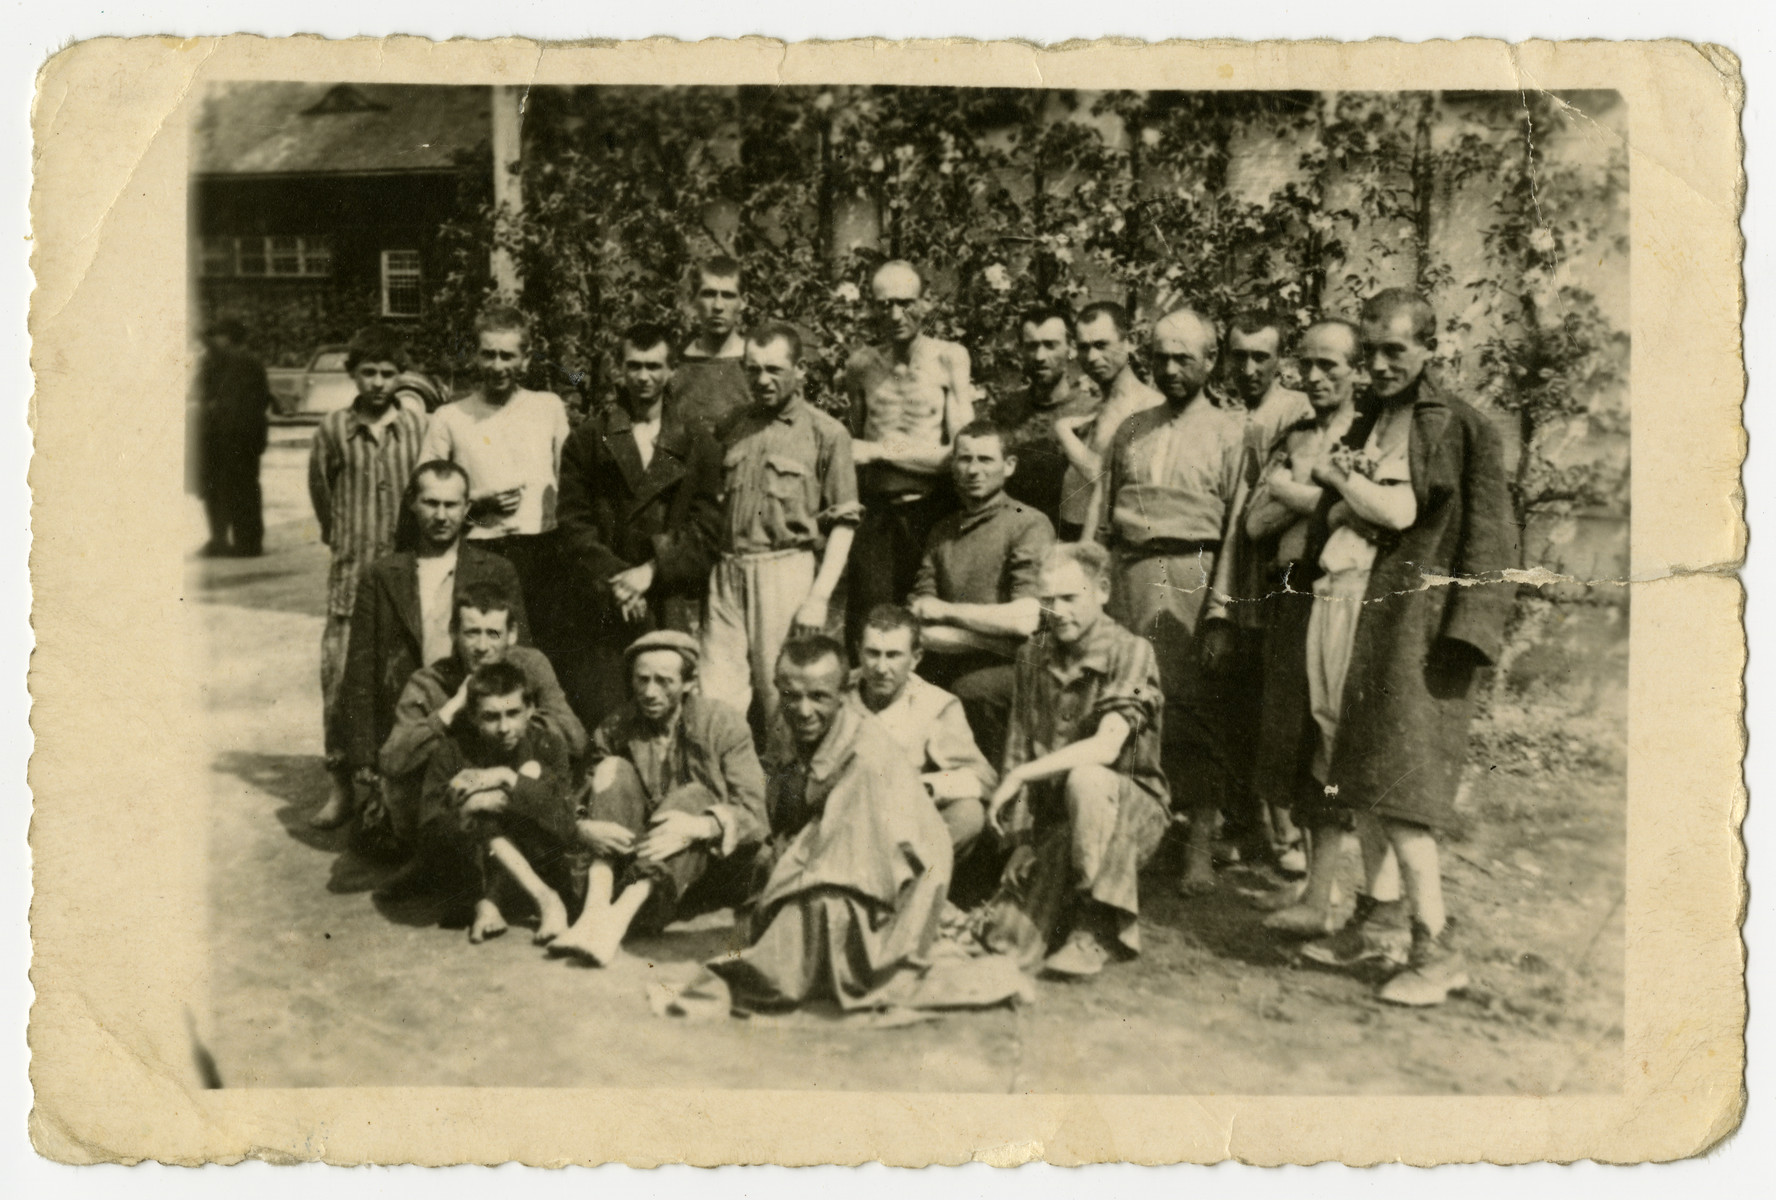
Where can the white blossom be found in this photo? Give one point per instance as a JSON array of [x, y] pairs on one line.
[[997, 278]]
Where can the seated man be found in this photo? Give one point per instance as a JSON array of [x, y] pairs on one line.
[[498, 789], [482, 631], [863, 860], [976, 590], [926, 721], [1082, 763], [674, 787]]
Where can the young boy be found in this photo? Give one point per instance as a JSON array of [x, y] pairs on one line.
[[498, 788], [358, 468]]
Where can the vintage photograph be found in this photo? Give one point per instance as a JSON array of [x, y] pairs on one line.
[[912, 589]]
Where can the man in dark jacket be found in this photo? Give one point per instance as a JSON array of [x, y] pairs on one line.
[[401, 619], [638, 522], [233, 398], [1416, 496]]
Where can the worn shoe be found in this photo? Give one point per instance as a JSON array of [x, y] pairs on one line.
[[1433, 971], [1083, 956], [1301, 920], [1364, 938]]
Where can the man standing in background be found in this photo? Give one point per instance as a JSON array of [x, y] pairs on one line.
[[1052, 393], [709, 386], [233, 400], [509, 439], [358, 467], [1105, 354], [638, 524], [908, 395]]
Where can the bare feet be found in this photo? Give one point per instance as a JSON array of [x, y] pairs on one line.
[[338, 808], [596, 939], [489, 922], [552, 921]]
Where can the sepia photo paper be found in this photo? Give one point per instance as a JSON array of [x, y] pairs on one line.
[[1192, 588]]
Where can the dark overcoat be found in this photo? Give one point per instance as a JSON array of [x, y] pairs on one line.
[[386, 639], [1422, 642], [615, 514]]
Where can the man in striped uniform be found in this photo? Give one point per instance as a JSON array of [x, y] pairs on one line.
[[358, 465]]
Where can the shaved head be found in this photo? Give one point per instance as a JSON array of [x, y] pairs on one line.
[[1188, 326], [891, 277]]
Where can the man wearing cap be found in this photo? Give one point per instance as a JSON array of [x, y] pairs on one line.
[[673, 789]]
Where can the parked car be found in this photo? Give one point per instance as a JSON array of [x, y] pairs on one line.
[[309, 393]]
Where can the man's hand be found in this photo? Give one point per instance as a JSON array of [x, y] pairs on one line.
[[490, 800], [482, 779], [606, 838], [448, 711], [1214, 646], [1010, 789], [1280, 476], [929, 609], [507, 501], [675, 832], [632, 584], [810, 618], [863, 453], [635, 611], [1327, 473]]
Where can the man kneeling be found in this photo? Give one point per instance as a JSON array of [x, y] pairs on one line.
[[497, 791], [674, 787], [1083, 791]]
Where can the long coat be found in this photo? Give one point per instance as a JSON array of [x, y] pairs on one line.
[[1421, 644], [615, 514], [386, 640]]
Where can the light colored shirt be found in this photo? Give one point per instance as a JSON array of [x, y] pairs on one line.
[[787, 477], [437, 588], [1280, 410], [1174, 474], [512, 445], [646, 433], [929, 725], [1386, 459]]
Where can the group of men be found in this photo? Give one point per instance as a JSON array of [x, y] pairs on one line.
[[610, 667]]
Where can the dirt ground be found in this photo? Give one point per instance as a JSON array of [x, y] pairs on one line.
[[314, 986]]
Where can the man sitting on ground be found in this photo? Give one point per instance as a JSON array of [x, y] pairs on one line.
[[851, 906], [482, 631], [1082, 763], [498, 789], [674, 788], [927, 722], [976, 590]]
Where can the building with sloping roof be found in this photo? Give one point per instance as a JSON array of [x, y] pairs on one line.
[[316, 208]]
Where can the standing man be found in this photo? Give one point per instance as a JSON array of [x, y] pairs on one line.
[[1030, 417], [1253, 363], [1083, 795], [1417, 491], [1106, 355], [789, 511], [483, 630], [710, 385], [674, 788], [638, 523], [1172, 484], [976, 592], [510, 439], [908, 395], [925, 721], [498, 792], [233, 400], [1273, 572], [358, 466], [401, 620]]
